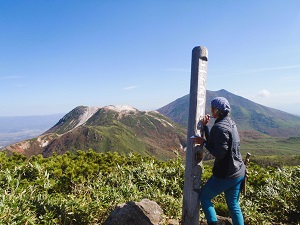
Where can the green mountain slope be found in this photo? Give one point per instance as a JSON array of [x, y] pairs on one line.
[[247, 114], [120, 129]]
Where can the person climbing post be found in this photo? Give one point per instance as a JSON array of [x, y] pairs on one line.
[[223, 143]]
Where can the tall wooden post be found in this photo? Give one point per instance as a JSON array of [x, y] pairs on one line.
[[194, 153]]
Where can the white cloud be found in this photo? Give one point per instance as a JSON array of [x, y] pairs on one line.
[[129, 88], [264, 93]]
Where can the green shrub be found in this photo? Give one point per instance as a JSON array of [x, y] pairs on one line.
[[83, 188]]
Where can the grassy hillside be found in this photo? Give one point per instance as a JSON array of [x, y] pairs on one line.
[[114, 138], [146, 133], [261, 144]]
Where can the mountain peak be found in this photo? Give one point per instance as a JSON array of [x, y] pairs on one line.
[[81, 114], [121, 108], [248, 115], [89, 111]]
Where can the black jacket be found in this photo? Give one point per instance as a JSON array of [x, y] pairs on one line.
[[223, 142]]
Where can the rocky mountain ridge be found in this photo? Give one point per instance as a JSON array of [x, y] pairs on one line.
[[110, 128]]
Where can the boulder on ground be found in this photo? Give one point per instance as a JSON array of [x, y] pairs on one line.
[[145, 212]]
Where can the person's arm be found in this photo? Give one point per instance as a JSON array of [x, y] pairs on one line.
[[200, 140], [217, 144], [206, 132]]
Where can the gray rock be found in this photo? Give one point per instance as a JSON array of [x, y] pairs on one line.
[[222, 221], [145, 212]]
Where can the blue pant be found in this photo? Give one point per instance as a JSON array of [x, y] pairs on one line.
[[215, 186]]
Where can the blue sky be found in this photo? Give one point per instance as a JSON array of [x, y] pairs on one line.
[[56, 55]]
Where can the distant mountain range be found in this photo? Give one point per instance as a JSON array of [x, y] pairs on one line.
[[247, 114], [158, 133], [112, 128]]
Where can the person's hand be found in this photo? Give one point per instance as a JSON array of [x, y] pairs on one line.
[[206, 119], [198, 140]]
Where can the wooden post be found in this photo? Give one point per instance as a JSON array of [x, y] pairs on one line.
[[244, 183], [194, 153]]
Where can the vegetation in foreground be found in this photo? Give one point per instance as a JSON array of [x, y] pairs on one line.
[[83, 188]]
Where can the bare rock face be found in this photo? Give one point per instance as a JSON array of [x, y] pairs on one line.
[[145, 212]]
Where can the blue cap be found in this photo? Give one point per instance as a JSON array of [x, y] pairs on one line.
[[221, 104]]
